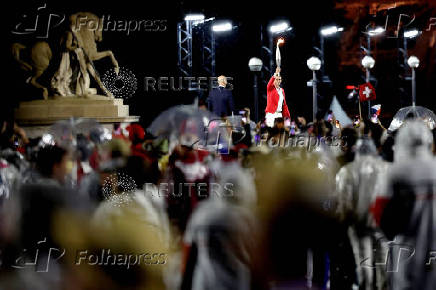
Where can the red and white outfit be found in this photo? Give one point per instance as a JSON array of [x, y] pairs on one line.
[[276, 103]]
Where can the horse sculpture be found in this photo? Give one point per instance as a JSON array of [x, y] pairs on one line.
[[79, 45]]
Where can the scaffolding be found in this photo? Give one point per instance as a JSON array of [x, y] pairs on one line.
[[190, 33]]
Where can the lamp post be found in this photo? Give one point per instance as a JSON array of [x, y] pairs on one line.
[[255, 65], [409, 34], [373, 32], [314, 64], [325, 32], [368, 63], [413, 62]]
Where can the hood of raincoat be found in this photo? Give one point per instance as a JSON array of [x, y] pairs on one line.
[[365, 147], [414, 140]]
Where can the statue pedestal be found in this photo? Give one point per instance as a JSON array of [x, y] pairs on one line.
[[36, 116]]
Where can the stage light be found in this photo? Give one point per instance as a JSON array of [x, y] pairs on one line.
[[279, 27], [225, 26], [329, 30], [411, 33], [377, 31], [413, 61], [368, 62], [314, 63], [194, 17]]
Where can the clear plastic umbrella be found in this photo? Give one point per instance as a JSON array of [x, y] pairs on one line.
[[236, 122], [416, 112], [76, 134], [190, 126], [65, 132]]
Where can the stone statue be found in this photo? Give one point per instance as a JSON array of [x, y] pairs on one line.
[[79, 51], [39, 56]]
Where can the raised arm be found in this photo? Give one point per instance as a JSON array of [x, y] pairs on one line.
[[270, 85]]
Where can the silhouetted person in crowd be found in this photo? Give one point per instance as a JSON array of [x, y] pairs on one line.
[[408, 219], [348, 140]]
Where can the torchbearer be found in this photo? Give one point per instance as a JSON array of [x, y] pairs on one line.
[[276, 103]]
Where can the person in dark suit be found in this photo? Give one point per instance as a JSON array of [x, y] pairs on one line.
[[220, 99]]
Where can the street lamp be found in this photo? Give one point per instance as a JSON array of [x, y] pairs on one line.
[[408, 34], [314, 64], [373, 32], [413, 62], [255, 64], [324, 32], [368, 63]]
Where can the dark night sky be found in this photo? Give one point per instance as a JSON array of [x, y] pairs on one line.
[[155, 53]]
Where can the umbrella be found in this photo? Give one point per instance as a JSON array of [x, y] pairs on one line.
[[65, 132], [417, 112], [236, 122], [189, 125], [75, 133]]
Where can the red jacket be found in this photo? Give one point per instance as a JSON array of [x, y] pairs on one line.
[[273, 100]]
